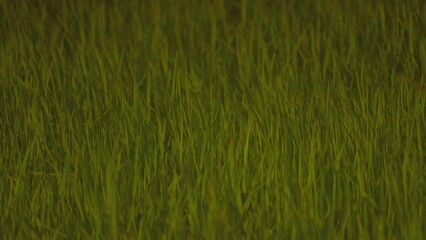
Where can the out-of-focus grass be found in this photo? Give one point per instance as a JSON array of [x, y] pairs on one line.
[[212, 119]]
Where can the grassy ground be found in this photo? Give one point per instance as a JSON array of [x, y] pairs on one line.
[[212, 119]]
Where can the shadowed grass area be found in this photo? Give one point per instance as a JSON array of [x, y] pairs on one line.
[[212, 119]]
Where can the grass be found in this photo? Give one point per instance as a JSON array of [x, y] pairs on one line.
[[212, 119]]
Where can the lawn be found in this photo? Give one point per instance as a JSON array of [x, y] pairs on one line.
[[219, 119]]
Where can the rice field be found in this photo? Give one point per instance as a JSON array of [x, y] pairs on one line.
[[212, 119]]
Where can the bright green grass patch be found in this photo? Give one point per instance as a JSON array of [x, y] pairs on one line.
[[212, 119]]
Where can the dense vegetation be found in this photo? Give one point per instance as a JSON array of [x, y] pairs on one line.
[[212, 119]]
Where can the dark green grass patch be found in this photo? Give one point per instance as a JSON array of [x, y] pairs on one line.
[[212, 119]]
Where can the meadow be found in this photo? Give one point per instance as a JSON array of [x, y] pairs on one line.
[[212, 119]]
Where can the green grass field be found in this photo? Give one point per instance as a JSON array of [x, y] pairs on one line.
[[219, 119]]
